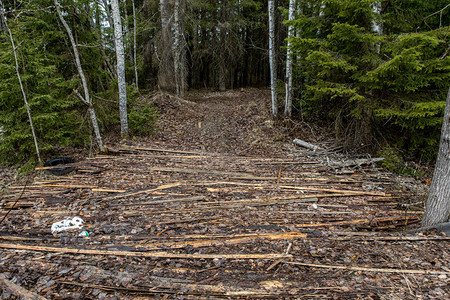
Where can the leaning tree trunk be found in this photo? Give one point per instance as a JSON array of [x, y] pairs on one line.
[[272, 60], [289, 89], [120, 55], [437, 209], [5, 24], [87, 99]]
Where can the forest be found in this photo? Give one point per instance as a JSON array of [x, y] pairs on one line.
[[230, 149], [375, 73]]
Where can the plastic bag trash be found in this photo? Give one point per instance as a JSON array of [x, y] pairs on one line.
[[84, 233], [74, 223]]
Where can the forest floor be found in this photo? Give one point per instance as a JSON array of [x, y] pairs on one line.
[[221, 204]]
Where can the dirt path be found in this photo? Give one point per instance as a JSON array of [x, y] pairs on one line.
[[232, 122], [222, 209]]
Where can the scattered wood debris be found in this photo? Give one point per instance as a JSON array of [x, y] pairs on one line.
[[178, 222]]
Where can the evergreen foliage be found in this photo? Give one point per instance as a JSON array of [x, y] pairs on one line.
[[50, 77], [375, 89], [371, 89]]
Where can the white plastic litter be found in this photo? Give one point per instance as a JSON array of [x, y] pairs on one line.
[[69, 223]]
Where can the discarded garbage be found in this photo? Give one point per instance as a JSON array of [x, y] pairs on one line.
[[84, 233], [368, 186], [69, 223], [59, 171]]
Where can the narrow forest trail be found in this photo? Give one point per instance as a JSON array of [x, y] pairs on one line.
[[231, 122], [219, 205]]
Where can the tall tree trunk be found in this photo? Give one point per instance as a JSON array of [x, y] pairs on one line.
[[87, 98], [223, 37], [166, 78], [178, 47], [437, 209], [5, 24], [120, 54], [289, 88], [377, 26], [272, 58], [136, 81]]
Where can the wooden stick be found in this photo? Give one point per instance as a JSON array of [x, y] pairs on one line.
[[17, 290], [162, 287], [144, 254], [69, 186], [195, 171], [146, 191], [364, 269], [227, 241], [358, 221], [127, 148]]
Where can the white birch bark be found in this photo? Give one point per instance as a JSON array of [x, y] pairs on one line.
[[87, 98], [437, 208], [120, 55], [5, 24], [134, 46], [177, 48], [377, 26], [289, 88], [272, 61]]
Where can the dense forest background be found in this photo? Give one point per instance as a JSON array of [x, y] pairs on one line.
[[374, 72]]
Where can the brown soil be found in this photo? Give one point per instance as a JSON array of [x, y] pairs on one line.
[[221, 204]]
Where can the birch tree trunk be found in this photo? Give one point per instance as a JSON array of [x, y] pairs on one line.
[[178, 47], [289, 89], [136, 81], [120, 55], [272, 60], [377, 26], [5, 24], [87, 99], [437, 209]]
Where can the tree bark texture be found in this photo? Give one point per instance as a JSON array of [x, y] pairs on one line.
[[178, 47], [437, 209], [222, 36], [166, 78], [377, 26], [272, 58], [5, 24], [289, 88], [136, 81], [120, 55], [87, 98]]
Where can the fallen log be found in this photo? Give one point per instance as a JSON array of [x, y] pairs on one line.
[[17, 290], [306, 145], [143, 254], [364, 269]]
